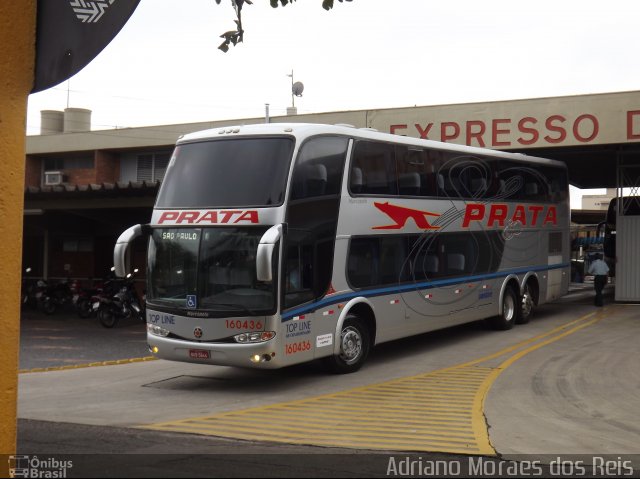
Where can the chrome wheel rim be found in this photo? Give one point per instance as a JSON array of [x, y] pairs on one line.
[[508, 308], [527, 303], [350, 345]]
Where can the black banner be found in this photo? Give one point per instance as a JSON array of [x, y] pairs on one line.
[[71, 33]]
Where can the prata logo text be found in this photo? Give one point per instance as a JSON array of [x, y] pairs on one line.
[[209, 217]]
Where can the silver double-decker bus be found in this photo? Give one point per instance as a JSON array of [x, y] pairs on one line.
[[276, 244]]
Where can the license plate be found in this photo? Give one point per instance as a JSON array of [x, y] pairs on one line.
[[199, 354]]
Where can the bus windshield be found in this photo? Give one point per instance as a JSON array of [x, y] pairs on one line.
[[227, 173], [210, 269]]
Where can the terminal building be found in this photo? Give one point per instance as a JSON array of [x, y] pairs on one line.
[[84, 187]]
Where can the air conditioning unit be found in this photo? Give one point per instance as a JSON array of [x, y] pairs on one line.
[[52, 178]]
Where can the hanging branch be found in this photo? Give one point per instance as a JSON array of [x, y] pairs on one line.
[[233, 37]]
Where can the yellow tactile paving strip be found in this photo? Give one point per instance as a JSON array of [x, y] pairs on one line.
[[439, 411], [66, 367]]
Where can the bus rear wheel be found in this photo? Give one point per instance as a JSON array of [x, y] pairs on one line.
[[526, 304], [510, 311], [354, 347]]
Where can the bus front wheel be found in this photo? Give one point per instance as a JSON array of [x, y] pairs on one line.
[[354, 347]]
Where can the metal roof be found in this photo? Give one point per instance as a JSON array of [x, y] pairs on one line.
[[131, 188]]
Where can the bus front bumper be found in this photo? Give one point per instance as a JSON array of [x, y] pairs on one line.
[[249, 355]]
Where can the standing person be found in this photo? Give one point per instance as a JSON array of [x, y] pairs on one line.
[[599, 270]]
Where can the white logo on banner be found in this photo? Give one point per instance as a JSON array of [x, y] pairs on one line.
[[90, 11]]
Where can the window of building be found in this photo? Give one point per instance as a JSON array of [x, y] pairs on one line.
[[77, 245], [55, 164], [152, 166]]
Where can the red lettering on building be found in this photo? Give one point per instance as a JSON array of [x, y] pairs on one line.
[[425, 132], [446, 125], [496, 130], [476, 134], [393, 128], [630, 130], [523, 128], [505, 132], [595, 128], [551, 126]]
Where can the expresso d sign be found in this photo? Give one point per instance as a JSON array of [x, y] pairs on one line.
[[71, 33]]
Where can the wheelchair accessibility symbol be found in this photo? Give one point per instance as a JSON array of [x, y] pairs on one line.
[[192, 303]]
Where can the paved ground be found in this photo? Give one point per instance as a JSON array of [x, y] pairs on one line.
[[575, 393], [64, 339]]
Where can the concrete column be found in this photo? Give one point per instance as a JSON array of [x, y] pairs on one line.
[[17, 54]]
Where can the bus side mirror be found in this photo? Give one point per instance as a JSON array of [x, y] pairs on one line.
[[122, 245], [264, 256]]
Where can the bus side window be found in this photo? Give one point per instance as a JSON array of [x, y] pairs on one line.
[[362, 266], [412, 171], [298, 274], [426, 266], [377, 163], [356, 182], [393, 255], [318, 169], [316, 180], [409, 184], [455, 263], [479, 187]]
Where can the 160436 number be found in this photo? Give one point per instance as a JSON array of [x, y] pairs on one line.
[[298, 347], [246, 325]]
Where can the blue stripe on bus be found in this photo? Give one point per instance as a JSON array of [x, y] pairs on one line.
[[308, 308]]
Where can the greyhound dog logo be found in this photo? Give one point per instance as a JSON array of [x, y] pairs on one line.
[[400, 215]]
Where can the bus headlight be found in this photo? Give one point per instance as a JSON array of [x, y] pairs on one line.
[[258, 337], [157, 330]]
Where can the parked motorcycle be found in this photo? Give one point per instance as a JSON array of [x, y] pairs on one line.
[[124, 304], [32, 290], [85, 297], [56, 296]]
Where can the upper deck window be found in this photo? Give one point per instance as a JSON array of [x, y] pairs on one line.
[[229, 173]]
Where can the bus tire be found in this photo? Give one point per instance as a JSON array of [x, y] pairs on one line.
[[510, 311], [354, 347], [527, 304]]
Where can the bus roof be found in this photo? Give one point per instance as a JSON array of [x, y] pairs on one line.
[[303, 130]]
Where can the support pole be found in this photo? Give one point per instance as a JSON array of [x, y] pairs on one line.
[[17, 56]]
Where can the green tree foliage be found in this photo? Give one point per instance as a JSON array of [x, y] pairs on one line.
[[233, 37]]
